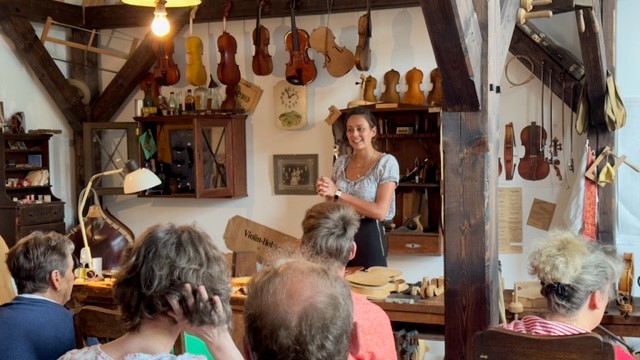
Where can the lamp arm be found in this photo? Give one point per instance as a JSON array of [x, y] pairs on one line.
[[81, 205]]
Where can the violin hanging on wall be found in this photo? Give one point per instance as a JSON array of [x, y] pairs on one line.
[[509, 145], [166, 71], [262, 64], [338, 60], [196, 73], [533, 166], [228, 70], [363, 51], [300, 69]]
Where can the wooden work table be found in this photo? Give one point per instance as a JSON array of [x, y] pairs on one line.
[[426, 316]]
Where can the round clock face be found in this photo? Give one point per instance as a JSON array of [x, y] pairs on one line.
[[289, 97]]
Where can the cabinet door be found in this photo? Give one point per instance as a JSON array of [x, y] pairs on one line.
[[214, 158], [107, 146]]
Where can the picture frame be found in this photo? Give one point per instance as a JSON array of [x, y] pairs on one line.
[[295, 174], [34, 160]]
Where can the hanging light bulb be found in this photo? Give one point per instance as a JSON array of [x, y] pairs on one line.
[[170, 3], [160, 25]]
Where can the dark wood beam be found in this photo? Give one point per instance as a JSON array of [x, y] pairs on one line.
[[508, 11], [455, 37], [595, 64], [599, 136], [132, 73], [124, 16], [38, 10], [32, 52], [525, 47], [562, 6]]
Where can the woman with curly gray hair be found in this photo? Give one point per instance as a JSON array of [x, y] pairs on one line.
[[172, 279], [577, 277]]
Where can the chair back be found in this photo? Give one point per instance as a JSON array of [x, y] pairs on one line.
[[7, 291], [106, 325], [101, 323], [501, 344]]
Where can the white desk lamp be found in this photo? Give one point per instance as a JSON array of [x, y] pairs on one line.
[[136, 179]]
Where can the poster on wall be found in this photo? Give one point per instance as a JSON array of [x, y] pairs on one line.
[[510, 224], [541, 214]]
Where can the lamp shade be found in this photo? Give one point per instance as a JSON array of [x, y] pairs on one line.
[[141, 179], [170, 3]]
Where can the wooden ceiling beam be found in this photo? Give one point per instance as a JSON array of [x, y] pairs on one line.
[[38, 10], [595, 64], [132, 73], [457, 42], [527, 49], [33, 52], [124, 16]]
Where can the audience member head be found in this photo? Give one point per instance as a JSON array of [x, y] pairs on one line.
[[300, 310], [571, 269], [43, 264], [160, 262], [328, 229]]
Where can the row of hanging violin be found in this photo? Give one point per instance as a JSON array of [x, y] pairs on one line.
[[414, 95], [300, 69], [538, 157]]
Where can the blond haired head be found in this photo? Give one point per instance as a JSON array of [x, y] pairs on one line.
[[571, 267]]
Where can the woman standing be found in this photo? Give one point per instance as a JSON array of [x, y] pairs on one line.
[[366, 180]]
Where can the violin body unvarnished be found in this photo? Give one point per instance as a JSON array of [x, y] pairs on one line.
[[196, 72], [338, 60]]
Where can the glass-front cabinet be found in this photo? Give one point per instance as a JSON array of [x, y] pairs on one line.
[[200, 156]]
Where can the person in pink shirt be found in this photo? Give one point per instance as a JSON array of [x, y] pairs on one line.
[[328, 238], [577, 277]]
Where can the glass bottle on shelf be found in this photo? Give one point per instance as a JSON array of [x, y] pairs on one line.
[[200, 95], [149, 107], [189, 102], [173, 104], [214, 98]]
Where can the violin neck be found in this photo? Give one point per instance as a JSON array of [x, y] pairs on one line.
[[256, 40], [294, 30]]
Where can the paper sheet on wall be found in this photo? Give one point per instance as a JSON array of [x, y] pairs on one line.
[[541, 214], [510, 223]]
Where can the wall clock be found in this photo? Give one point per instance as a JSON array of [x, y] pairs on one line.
[[290, 105]]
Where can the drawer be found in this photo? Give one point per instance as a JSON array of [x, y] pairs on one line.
[[40, 213], [416, 244], [58, 227]]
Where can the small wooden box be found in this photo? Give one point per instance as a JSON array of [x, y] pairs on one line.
[[412, 243]]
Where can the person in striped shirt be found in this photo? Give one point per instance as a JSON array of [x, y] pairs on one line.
[[577, 277]]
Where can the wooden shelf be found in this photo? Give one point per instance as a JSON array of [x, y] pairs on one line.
[[21, 219]]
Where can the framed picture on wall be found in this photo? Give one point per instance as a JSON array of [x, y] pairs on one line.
[[34, 160], [295, 174]]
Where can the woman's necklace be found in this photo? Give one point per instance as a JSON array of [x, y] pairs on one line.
[[361, 169]]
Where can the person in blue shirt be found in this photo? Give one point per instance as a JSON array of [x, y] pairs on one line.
[[35, 324]]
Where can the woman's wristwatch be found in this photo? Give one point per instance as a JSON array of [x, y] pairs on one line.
[[337, 195]]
